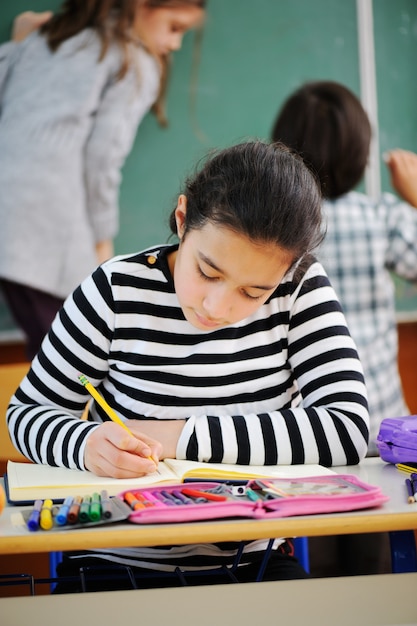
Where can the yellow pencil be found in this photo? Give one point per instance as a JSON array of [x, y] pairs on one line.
[[104, 405]]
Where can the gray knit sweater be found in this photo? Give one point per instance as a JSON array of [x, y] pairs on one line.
[[66, 127]]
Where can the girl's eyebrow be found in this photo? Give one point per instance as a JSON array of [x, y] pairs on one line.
[[209, 262]]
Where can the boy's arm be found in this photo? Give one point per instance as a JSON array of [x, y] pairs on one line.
[[402, 165]]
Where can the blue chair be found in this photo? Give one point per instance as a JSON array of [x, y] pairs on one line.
[[403, 551], [54, 559], [301, 552]]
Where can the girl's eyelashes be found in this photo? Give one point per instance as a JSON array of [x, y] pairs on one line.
[[213, 278], [247, 295], [203, 275]]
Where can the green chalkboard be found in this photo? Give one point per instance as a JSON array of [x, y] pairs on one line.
[[253, 54], [395, 26]]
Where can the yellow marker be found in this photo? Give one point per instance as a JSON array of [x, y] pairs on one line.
[[107, 408], [46, 521]]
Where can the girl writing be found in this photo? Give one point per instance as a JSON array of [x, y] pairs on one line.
[[72, 96], [227, 347]]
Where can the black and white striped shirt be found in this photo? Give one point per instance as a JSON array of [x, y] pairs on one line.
[[282, 386], [367, 241]]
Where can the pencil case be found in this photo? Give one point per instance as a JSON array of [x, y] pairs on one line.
[[397, 439], [259, 498]]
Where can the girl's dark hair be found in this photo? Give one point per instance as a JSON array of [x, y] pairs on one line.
[[263, 191], [326, 123], [113, 21]]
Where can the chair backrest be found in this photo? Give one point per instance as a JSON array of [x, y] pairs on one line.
[[11, 375]]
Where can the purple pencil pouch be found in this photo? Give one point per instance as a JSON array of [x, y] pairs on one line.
[[397, 439]]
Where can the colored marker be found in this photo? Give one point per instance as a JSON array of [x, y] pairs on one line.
[[184, 499], [133, 502], [160, 496], [195, 493], [141, 497], [410, 491], [61, 516], [72, 516], [84, 512], [170, 495], [95, 508], [46, 520], [414, 486], [252, 495], [33, 521], [150, 496], [106, 507]]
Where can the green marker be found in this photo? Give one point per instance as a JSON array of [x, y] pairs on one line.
[[252, 495], [95, 508], [84, 512]]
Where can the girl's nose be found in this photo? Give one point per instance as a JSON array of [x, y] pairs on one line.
[[175, 41], [217, 305]]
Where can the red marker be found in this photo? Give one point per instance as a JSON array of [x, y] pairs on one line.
[[195, 493]]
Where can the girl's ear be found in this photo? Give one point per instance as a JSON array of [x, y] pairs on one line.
[[180, 213]]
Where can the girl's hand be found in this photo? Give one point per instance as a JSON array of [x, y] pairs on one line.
[[27, 22], [403, 169], [104, 250], [111, 451], [166, 432]]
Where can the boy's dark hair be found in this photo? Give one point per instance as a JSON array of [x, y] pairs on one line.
[[261, 190], [326, 123]]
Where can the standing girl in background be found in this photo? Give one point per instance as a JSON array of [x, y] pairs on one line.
[[72, 97], [229, 347]]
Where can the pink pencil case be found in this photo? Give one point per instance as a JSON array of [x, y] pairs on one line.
[[259, 498]]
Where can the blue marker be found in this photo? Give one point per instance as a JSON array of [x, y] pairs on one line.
[[61, 517], [33, 521], [414, 486]]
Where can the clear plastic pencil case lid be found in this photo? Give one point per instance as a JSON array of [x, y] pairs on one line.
[[259, 498]]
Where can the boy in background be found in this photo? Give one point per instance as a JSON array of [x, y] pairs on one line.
[[366, 241]]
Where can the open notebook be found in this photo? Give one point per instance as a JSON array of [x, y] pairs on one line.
[[27, 482]]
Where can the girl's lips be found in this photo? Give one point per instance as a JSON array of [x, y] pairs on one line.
[[204, 321]]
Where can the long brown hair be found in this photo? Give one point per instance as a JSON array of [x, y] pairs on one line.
[[113, 22]]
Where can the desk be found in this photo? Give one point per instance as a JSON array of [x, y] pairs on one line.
[[395, 515], [387, 599]]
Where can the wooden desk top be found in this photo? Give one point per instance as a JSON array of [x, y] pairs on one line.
[[396, 514], [317, 602]]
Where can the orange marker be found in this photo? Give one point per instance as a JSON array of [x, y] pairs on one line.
[[72, 517], [133, 502]]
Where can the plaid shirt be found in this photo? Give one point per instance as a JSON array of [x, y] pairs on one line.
[[365, 241]]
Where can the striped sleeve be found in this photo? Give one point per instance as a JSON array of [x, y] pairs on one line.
[[327, 423], [283, 386], [44, 415]]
